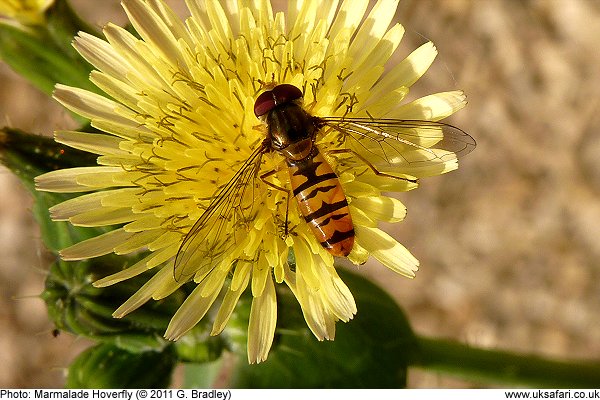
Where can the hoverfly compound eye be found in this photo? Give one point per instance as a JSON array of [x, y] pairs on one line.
[[264, 103], [280, 94], [286, 93]]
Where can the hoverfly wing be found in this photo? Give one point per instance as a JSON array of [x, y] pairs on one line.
[[212, 237], [403, 143]]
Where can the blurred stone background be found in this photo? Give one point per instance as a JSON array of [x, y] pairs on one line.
[[508, 244]]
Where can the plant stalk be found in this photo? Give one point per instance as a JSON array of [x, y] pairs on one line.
[[503, 367]]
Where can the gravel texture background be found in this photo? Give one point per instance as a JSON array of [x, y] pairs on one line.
[[508, 244]]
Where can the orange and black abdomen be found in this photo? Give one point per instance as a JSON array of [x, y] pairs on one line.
[[322, 202]]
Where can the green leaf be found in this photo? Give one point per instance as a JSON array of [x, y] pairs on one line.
[[105, 366], [63, 24], [32, 53], [43, 54], [372, 351], [202, 375]]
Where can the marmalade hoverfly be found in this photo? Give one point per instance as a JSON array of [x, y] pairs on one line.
[[292, 133]]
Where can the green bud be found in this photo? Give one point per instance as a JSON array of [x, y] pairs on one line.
[[78, 307], [198, 346], [28, 156]]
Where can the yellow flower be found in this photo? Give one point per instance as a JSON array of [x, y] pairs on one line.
[[27, 12], [182, 144]]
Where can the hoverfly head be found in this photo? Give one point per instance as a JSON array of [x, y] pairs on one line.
[[280, 94]]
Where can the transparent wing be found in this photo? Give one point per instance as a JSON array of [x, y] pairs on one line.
[[398, 143], [222, 225]]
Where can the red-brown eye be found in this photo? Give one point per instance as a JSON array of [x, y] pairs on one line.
[[264, 103], [285, 93]]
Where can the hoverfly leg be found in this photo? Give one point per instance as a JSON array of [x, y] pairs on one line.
[[369, 165], [287, 209], [272, 172], [263, 178]]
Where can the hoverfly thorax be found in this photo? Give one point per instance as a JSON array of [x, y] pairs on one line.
[[290, 129]]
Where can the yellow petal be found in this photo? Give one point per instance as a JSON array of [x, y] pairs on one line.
[[79, 179], [96, 246], [381, 208], [153, 30], [89, 105], [191, 312], [261, 328], [91, 142], [146, 292], [433, 107], [387, 250], [101, 55], [229, 302], [407, 72]]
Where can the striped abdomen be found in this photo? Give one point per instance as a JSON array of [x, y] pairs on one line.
[[322, 202]]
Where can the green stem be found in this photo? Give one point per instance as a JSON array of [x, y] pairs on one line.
[[503, 367], [63, 23]]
